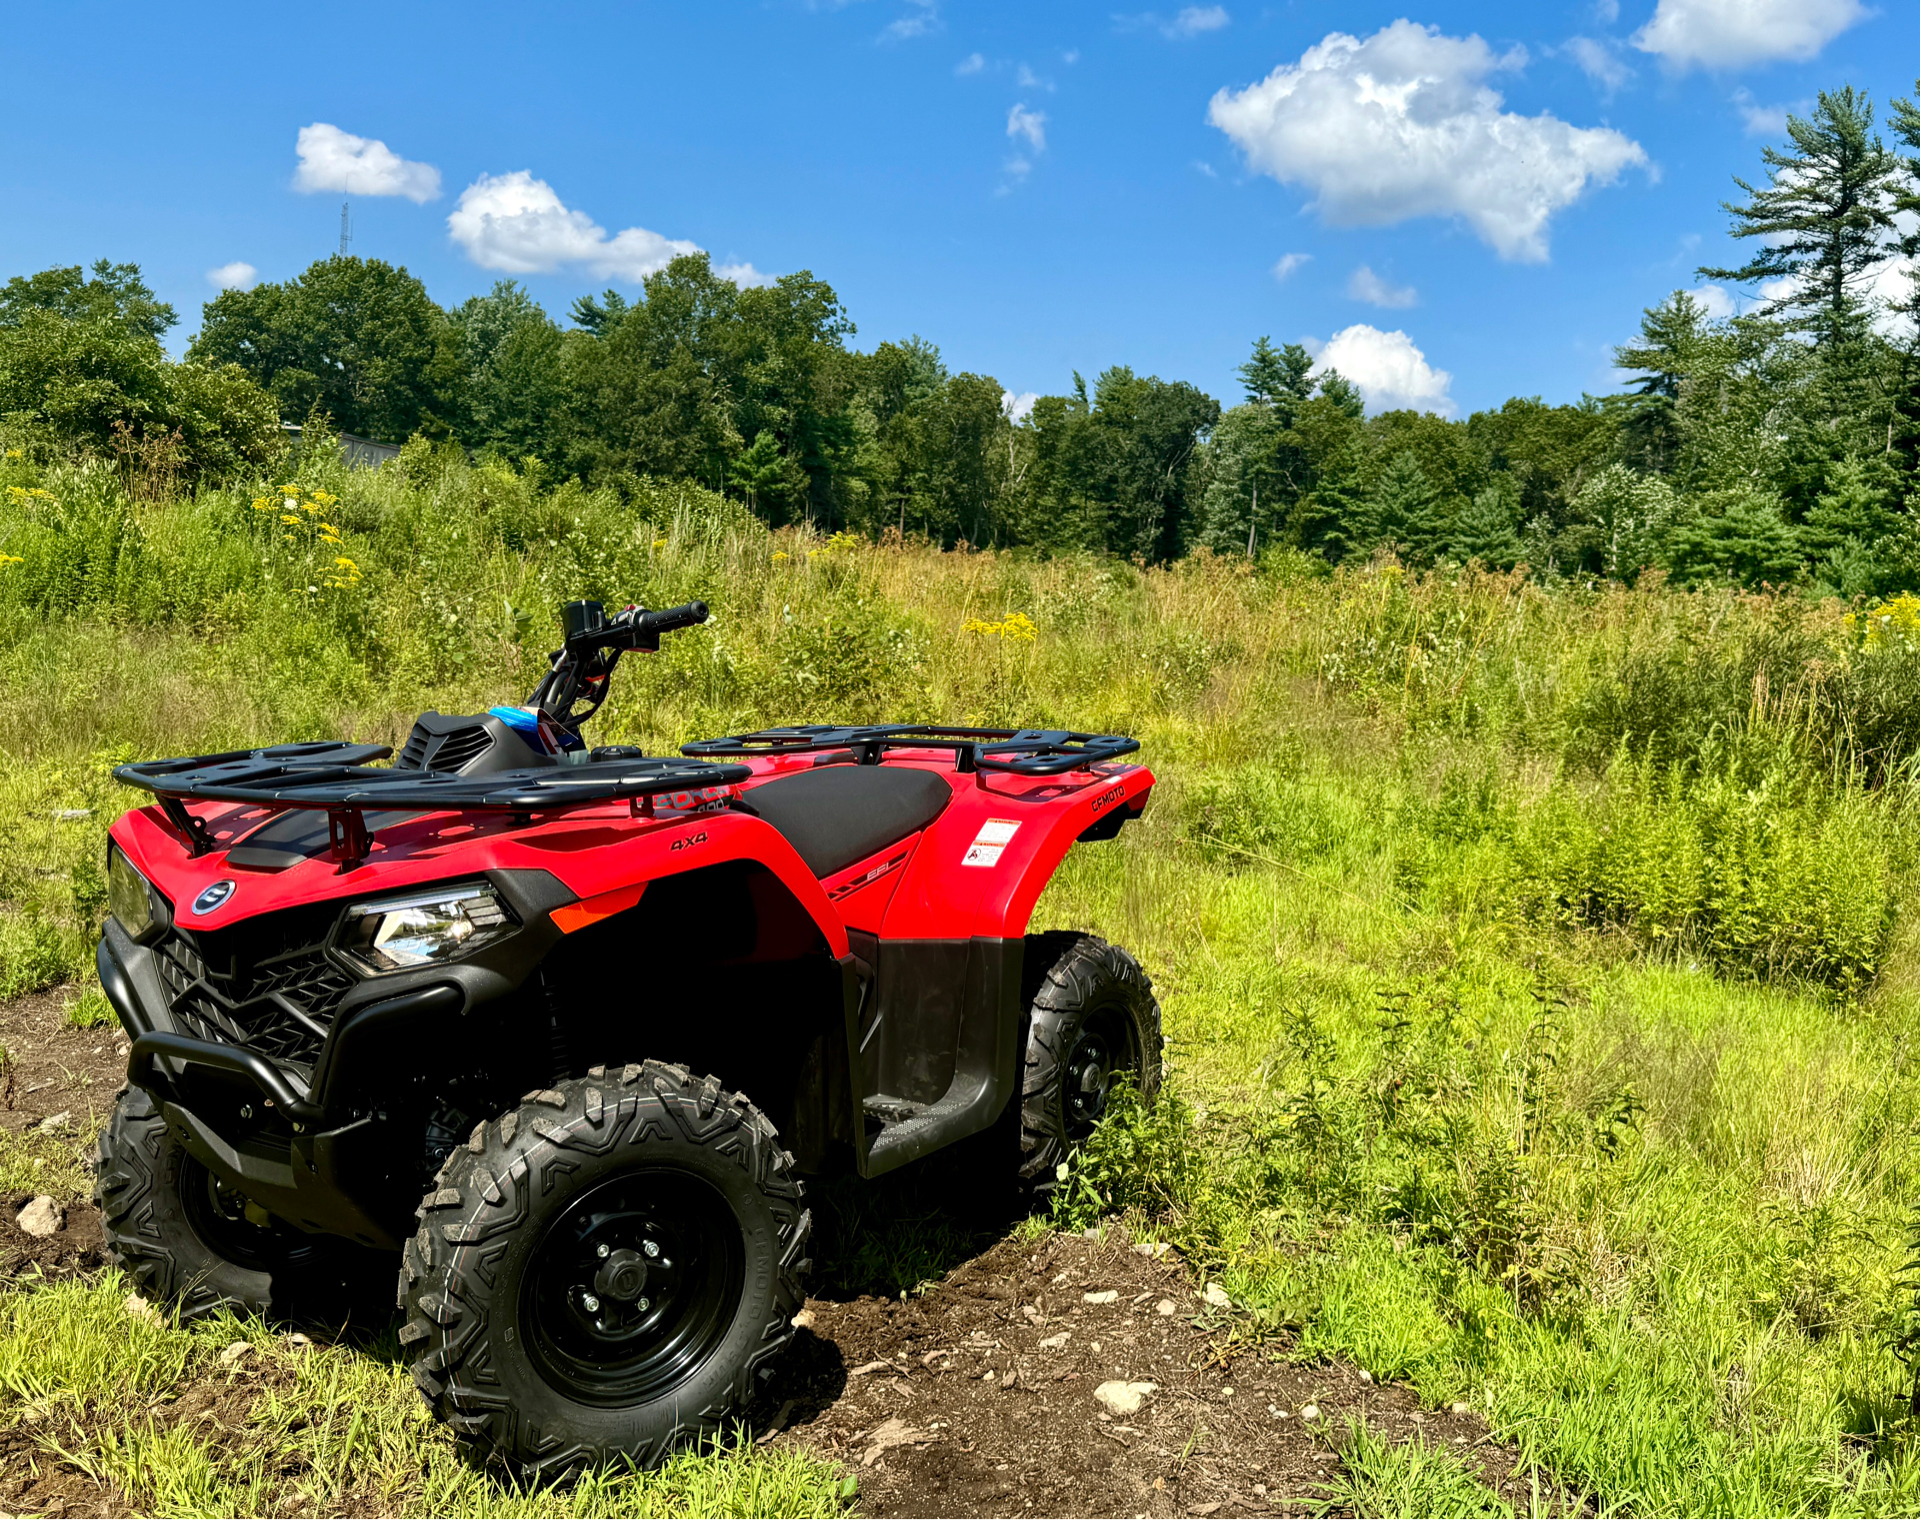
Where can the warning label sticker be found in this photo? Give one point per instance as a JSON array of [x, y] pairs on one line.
[[990, 841]]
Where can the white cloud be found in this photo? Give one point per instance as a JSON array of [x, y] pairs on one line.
[[1028, 80], [973, 63], [1070, 57], [334, 160], [1288, 262], [1390, 372], [744, 275], [1599, 61], [239, 275], [1032, 125], [1763, 120], [1403, 125], [1194, 20], [1716, 301], [1206, 168], [921, 21], [1364, 285], [1017, 407], [1730, 34], [515, 223], [1606, 12]]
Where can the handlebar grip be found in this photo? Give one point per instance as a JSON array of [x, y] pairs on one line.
[[670, 618]]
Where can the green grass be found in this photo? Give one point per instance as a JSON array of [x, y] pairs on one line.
[[1413, 1478], [332, 1429], [1541, 995]]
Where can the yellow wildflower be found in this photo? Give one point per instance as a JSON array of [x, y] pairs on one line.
[[288, 517], [1893, 621], [261, 504], [11, 559], [779, 554], [659, 543], [1015, 628]]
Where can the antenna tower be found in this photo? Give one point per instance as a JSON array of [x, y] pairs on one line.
[[346, 228]]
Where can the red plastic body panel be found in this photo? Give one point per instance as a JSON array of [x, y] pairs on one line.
[[965, 881], [976, 871]]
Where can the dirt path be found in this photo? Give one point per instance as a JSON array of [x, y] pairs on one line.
[[982, 1396], [55, 1090]]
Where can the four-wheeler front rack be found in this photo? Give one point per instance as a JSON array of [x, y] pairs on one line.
[[1020, 751], [333, 777]]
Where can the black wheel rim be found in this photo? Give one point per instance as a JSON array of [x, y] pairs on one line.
[[634, 1287], [1101, 1057], [218, 1215]]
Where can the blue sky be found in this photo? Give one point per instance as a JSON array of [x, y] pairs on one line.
[[1038, 188]]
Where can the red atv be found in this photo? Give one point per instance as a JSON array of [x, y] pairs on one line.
[[488, 974]]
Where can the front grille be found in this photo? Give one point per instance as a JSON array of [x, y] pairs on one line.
[[267, 986]]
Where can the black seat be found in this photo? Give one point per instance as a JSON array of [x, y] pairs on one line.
[[838, 814]]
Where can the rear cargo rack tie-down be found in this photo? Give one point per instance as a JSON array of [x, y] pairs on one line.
[[334, 778]]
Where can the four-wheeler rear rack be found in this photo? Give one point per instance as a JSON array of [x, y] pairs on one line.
[[1019, 751]]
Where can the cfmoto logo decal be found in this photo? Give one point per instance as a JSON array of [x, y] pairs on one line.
[[215, 895]]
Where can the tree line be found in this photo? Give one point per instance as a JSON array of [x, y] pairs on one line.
[[1780, 444]]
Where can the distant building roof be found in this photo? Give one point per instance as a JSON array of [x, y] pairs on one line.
[[361, 453]]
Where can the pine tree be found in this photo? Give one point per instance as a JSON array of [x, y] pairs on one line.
[[1735, 536], [1906, 127], [1406, 510], [1853, 507], [1342, 392], [1278, 377], [1906, 197], [1660, 361], [1825, 214], [1485, 528]]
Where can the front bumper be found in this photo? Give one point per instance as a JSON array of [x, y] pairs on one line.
[[319, 1147], [255, 1125]]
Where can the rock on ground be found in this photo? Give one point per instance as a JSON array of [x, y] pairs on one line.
[[1123, 1399], [41, 1217]]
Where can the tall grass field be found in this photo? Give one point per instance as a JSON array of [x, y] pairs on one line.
[[1540, 986]]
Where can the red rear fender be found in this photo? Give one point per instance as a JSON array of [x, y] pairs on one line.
[[980, 868]]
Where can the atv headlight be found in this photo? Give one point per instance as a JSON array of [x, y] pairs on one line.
[[135, 906], [424, 928]]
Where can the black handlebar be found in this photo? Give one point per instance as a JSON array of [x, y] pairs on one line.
[[590, 629], [578, 673], [688, 615]]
